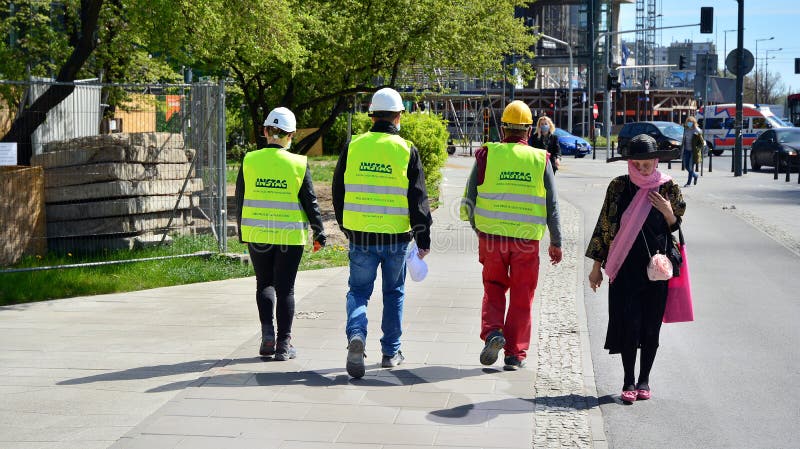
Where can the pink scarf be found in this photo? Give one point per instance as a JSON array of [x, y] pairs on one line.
[[633, 218]]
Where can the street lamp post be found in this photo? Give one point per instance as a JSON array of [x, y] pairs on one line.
[[569, 78], [766, 62], [725, 55], [757, 41]]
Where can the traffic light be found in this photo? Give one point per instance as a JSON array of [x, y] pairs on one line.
[[706, 20], [612, 81], [797, 65], [681, 62]]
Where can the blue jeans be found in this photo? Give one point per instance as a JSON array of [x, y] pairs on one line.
[[688, 164], [364, 261]]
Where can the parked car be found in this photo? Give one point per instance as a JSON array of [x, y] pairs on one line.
[[583, 127], [572, 145], [785, 142], [667, 134]]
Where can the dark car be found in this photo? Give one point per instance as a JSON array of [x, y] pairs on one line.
[[582, 128], [785, 142], [667, 134], [572, 145]]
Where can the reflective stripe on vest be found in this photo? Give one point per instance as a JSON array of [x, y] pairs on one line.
[[271, 210], [376, 184], [511, 201]]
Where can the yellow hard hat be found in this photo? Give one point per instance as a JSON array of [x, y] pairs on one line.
[[517, 115]]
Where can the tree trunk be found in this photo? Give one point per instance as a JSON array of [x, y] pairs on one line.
[[33, 116], [305, 144]]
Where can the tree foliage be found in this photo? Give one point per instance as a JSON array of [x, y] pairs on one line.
[[313, 56]]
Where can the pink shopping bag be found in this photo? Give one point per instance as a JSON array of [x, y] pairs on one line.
[[679, 292]]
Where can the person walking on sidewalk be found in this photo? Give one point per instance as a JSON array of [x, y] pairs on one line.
[[640, 212], [545, 138], [381, 203], [510, 199], [276, 202], [692, 145]]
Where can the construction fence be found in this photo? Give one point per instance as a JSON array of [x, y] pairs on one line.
[[104, 178]]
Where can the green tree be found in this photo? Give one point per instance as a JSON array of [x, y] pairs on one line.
[[66, 41], [313, 55]]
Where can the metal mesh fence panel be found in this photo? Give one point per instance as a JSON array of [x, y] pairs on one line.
[[127, 167]]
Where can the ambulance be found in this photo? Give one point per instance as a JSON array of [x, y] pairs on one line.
[[718, 125]]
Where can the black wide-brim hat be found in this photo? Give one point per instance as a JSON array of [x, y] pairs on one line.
[[644, 147]]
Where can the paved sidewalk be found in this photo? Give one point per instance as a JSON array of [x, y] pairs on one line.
[[175, 367]]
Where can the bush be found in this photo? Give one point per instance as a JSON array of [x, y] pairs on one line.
[[333, 142], [236, 153], [429, 134]]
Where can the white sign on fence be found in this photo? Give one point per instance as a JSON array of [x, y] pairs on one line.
[[8, 153]]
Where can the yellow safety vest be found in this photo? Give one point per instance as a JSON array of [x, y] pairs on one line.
[[512, 199], [376, 184], [271, 211]]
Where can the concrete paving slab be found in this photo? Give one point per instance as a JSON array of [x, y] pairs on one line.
[[184, 359]]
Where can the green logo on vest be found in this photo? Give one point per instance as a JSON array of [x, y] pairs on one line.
[[376, 167], [515, 176], [270, 183]]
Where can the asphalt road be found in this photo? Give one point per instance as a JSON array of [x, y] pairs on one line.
[[729, 379]]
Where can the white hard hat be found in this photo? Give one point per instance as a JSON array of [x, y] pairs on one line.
[[281, 118], [386, 99]]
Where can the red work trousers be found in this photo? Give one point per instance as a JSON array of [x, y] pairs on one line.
[[509, 264]]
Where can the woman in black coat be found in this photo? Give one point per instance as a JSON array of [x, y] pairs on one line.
[[635, 303], [544, 137]]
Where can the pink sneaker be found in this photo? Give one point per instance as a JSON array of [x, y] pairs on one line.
[[642, 395], [629, 396]]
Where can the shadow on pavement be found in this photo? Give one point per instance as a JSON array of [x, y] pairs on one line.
[[148, 372], [487, 410], [376, 377]]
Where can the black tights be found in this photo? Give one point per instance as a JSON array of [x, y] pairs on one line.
[[276, 270], [629, 363]]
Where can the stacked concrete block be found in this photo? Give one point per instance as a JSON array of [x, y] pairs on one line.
[[117, 191]]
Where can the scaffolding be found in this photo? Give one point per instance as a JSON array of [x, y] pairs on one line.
[[644, 47]]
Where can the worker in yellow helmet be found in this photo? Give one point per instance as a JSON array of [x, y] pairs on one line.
[[510, 200], [276, 205], [381, 203]]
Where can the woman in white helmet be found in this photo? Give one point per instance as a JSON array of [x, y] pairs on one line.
[[276, 205]]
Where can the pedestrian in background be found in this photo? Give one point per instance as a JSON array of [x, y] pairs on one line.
[[276, 204], [544, 137], [639, 214], [510, 200], [381, 203], [692, 148]]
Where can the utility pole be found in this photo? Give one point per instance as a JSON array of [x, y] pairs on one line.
[[737, 151], [569, 78], [591, 73]]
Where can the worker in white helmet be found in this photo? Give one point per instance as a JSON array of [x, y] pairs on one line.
[[381, 203], [276, 205]]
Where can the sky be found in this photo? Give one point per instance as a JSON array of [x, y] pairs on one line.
[[762, 19]]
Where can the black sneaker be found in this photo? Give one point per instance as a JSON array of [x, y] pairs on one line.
[[355, 357], [267, 348], [285, 352], [494, 343], [513, 363], [392, 361]]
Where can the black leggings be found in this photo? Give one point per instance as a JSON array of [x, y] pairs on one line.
[[646, 360], [276, 270]]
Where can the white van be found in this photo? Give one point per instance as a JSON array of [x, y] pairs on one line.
[[719, 125]]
